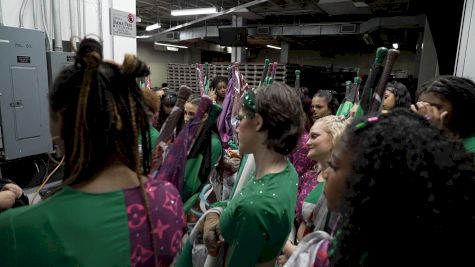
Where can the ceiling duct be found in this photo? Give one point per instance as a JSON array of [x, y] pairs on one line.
[[306, 29], [343, 7], [172, 36], [348, 28], [263, 31], [393, 23]]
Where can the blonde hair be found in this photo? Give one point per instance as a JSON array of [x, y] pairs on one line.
[[333, 125]]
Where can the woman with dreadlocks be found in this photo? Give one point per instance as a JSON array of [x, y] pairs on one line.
[[106, 213], [448, 101], [406, 194]]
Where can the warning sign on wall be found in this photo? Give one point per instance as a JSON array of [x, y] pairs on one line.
[[122, 23]]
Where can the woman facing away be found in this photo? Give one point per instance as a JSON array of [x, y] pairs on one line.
[[106, 213], [406, 194], [256, 223]]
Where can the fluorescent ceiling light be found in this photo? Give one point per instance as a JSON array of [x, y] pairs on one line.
[[171, 48], [143, 36], [274, 47], [395, 46], [170, 45], [194, 11], [153, 27]]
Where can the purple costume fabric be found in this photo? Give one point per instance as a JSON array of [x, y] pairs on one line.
[[167, 220], [173, 167], [307, 183], [299, 157]]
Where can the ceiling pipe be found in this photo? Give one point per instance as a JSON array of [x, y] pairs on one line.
[[43, 19], [71, 20], [58, 39], [84, 18], [1, 15], [78, 12], [212, 16], [22, 10], [99, 7], [35, 23]]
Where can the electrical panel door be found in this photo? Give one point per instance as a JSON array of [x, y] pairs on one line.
[[23, 93]]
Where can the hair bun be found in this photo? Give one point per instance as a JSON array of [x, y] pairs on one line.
[[134, 67], [89, 53], [184, 92]]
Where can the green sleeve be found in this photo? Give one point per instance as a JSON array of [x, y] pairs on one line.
[[7, 242], [154, 135], [216, 150], [238, 176], [192, 182], [220, 204], [469, 144], [246, 248], [185, 258]]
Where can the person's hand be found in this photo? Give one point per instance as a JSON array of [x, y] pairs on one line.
[[212, 233], [431, 113], [212, 94], [160, 92], [7, 199], [13, 188], [281, 260]]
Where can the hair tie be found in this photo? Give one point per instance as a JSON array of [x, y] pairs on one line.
[[364, 124], [249, 100]]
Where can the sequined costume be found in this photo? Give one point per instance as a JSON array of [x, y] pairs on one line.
[[257, 221]]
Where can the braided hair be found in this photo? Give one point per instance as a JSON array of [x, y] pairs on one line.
[[460, 92], [409, 195], [103, 114], [102, 111]]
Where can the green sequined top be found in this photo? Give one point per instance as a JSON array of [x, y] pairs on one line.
[[257, 221]]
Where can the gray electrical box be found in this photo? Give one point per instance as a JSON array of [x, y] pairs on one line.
[[57, 61], [23, 93]]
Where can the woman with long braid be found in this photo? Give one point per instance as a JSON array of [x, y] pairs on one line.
[[106, 213]]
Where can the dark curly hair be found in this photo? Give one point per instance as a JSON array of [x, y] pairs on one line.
[[330, 98], [304, 95], [401, 94], [282, 115], [409, 197], [168, 100], [460, 92], [217, 80]]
